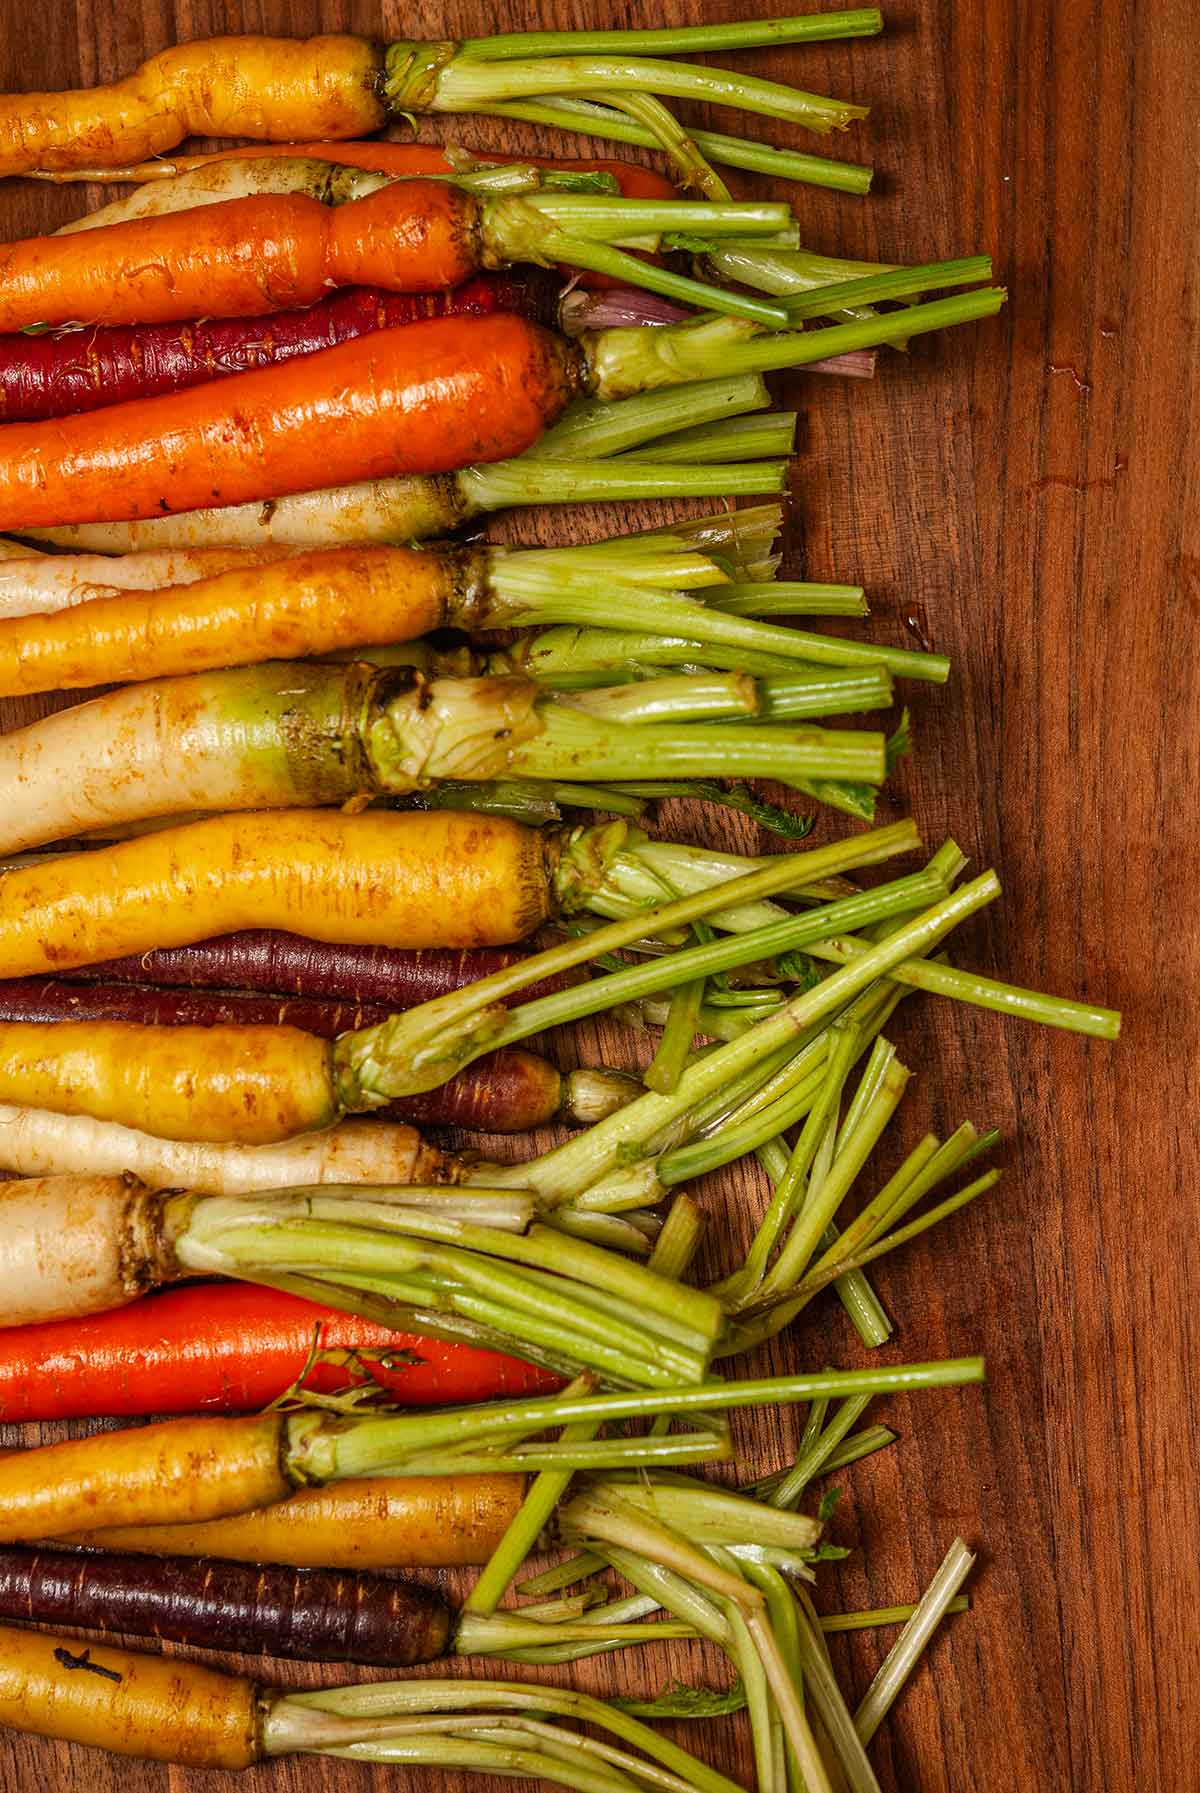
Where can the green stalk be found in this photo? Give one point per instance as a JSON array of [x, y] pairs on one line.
[[902, 1658], [820, 27], [583, 1161], [680, 1239], [620, 364], [789, 1190], [415, 83], [500, 485], [437, 1037], [666, 1067], [376, 1703], [320, 1449], [735, 439], [814, 1456], [591, 429], [789, 598], [894, 283], [529, 590], [873, 1617], [899, 896], [526, 1525], [570, 113], [853, 1290], [825, 1198], [691, 697], [569, 741], [989, 993]]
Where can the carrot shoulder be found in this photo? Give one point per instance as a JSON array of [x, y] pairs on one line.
[[429, 398]]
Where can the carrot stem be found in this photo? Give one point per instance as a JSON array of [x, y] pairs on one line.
[[568, 112]]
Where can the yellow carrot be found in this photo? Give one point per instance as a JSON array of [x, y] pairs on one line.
[[149, 1706], [379, 1522]]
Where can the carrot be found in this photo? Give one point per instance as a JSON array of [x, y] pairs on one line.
[[178, 1470], [403, 160], [246, 257], [308, 1615], [279, 89], [433, 879], [37, 1143], [380, 1522], [147, 1706], [288, 964], [229, 1348], [506, 1092], [434, 397], [428, 398], [288, 732], [68, 371], [35, 584]]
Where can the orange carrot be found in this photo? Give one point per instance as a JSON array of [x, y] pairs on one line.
[[429, 398]]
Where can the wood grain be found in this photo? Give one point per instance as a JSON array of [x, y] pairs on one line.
[[1027, 491]]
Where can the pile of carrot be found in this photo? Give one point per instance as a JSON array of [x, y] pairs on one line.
[[259, 380]]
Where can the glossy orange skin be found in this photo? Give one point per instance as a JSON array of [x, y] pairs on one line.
[[242, 258], [429, 398]]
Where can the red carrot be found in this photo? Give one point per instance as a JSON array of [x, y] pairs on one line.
[[309, 1615], [509, 1091], [77, 370], [231, 1348], [289, 965]]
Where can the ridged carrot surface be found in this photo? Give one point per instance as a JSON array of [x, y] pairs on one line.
[[429, 398], [243, 257]]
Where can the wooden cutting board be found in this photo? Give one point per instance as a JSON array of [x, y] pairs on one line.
[[1024, 495]]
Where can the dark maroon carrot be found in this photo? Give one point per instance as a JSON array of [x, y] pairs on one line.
[[311, 1615], [509, 1091], [289, 965], [75, 370]]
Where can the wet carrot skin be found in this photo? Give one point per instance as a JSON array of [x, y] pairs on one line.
[[429, 398], [154, 1707], [307, 1615], [381, 1522], [173, 1472], [233, 1348]]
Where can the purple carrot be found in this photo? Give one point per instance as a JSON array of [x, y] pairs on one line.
[[290, 965], [83, 369], [311, 1615]]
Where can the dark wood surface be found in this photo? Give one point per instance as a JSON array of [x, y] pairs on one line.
[[1025, 493]]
